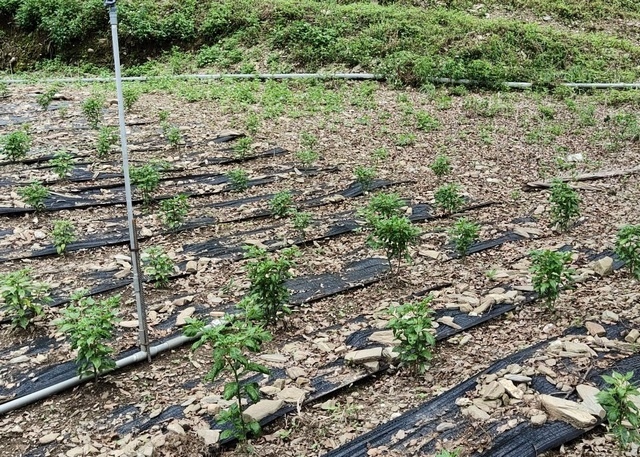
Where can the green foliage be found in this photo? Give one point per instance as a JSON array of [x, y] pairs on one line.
[[130, 96], [63, 233], [441, 165], [380, 154], [242, 148], [565, 204], [281, 204], [394, 235], [22, 296], [158, 266], [90, 324], [448, 198], [34, 195], [268, 295], [411, 325], [550, 274], [252, 123], [307, 157], [364, 176], [172, 134], [382, 205], [107, 137], [15, 145], [62, 163], [426, 122], [448, 453], [229, 344], [405, 139], [163, 116], [45, 98], [301, 220], [173, 211], [463, 234], [4, 90], [146, 179], [92, 109], [620, 408], [239, 179], [628, 248], [308, 140]]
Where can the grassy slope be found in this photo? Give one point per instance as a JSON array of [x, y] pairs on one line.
[[407, 42]]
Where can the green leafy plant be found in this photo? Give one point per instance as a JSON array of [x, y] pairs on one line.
[[282, 204], [252, 123], [230, 344], [380, 154], [92, 109], [441, 165], [565, 204], [34, 195], [172, 134], [242, 148], [550, 274], [364, 176], [90, 324], [301, 220], [411, 325], [394, 235], [405, 139], [238, 179], [383, 204], [158, 266], [173, 211], [163, 116], [62, 163], [130, 97], [15, 145], [268, 295], [448, 453], [620, 408], [307, 157], [4, 90], [426, 121], [628, 248], [107, 137], [23, 297], [45, 98], [146, 179], [448, 198], [462, 235], [63, 233]]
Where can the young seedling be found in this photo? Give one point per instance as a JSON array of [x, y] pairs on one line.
[[173, 211], [268, 296], [15, 145], [394, 235], [364, 176], [382, 205], [107, 137], [146, 179], [411, 325], [90, 324], [238, 179], [34, 195], [130, 96], [301, 221], [282, 204], [63, 233], [62, 163], [462, 235], [307, 157], [252, 123], [441, 165], [448, 198], [158, 266], [565, 204], [45, 98], [550, 274], [163, 116], [92, 109], [426, 122], [242, 148], [172, 134], [620, 408], [628, 248], [230, 344], [380, 154], [308, 140], [23, 297]]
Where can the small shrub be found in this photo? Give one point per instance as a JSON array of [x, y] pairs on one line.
[[172, 134], [426, 121], [34, 195], [130, 97], [242, 148], [63, 233], [565, 204], [163, 116], [380, 154], [157, 266], [15, 145], [229, 343], [394, 235], [463, 234], [238, 179], [301, 221], [23, 297], [308, 140], [411, 325], [405, 139], [90, 324], [4, 90], [628, 248], [62, 163], [307, 157], [383, 205], [173, 211], [92, 109], [364, 176], [252, 123], [441, 165], [107, 137], [45, 98], [620, 408], [282, 204], [550, 274], [146, 179], [448, 198]]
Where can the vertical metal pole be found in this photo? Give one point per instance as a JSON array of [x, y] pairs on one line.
[[143, 334]]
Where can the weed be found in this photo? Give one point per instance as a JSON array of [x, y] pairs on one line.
[[405, 139], [22, 296], [448, 198], [380, 154], [617, 401], [45, 98], [238, 179], [550, 274], [157, 266], [628, 248], [34, 195], [63, 233], [163, 116], [301, 220], [565, 204], [107, 137], [307, 157], [491, 274], [229, 343], [90, 324], [4, 90], [92, 109], [146, 178], [15, 145], [130, 96], [411, 325], [448, 453], [586, 115], [308, 140], [364, 176], [394, 235], [172, 134], [441, 165], [547, 112], [426, 122], [463, 234], [252, 123], [242, 148], [62, 163], [173, 211], [282, 204]]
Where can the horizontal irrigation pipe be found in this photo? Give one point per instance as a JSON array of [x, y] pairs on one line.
[[352, 76], [72, 382]]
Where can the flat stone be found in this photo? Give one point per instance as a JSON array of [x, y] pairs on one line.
[[492, 391], [595, 329], [431, 254], [444, 426], [128, 324], [610, 316], [604, 266], [372, 366], [291, 394], [19, 359], [448, 321], [487, 405], [517, 378], [293, 373], [192, 266], [274, 358], [269, 390], [511, 389], [632, 336], [579, 348], [48, 438], [588, 394], [364, 355], [176, 428], [486, 303], [262, 409], [539, 419], [475, 413], [185, 314], [514, 368], [390, 353], [280, 383], [569, 411], [209, 436], [384, 337]]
